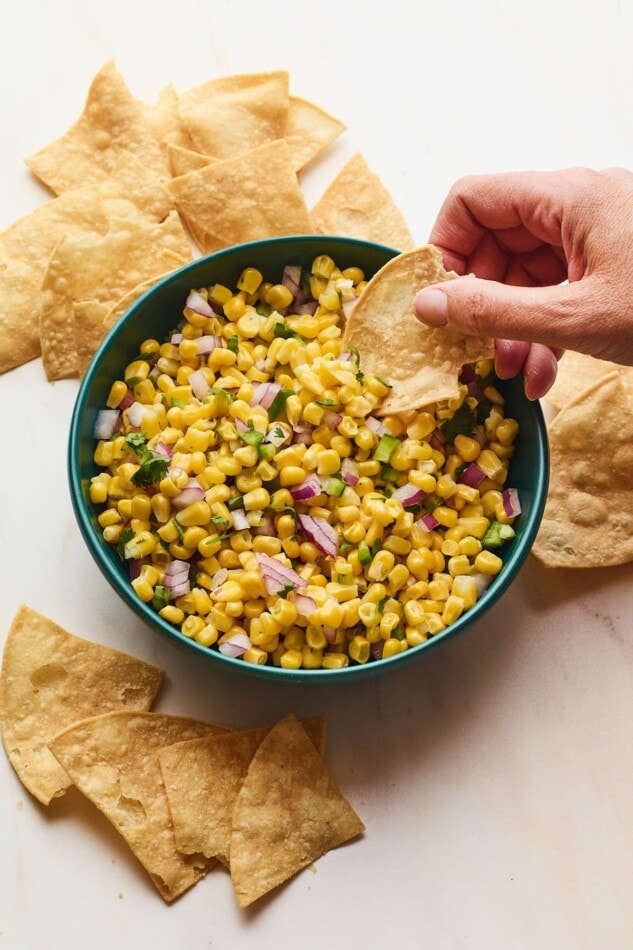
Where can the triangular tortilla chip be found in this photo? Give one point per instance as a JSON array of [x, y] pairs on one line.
[[233, 114], [185, 160], [255, 195], [112, 122], [421, 363], [99, 268], [50, 679], [89, 330], [577, 371], [288, 813], [113, 761], [125, 302], [357, 204], [163, 118], [309, 130], [203, 778], [588, 517]]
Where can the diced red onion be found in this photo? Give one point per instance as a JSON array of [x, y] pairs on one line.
[[179, 590], [310, 487], [291, 278], [482, 582], [349, 471], [277, 577], [196, 302], [321, 533], [472, 475], [306, 307], [332, 420], [345, 357], [511, 503], [330, 634], [468, 373], [160, 449], [134, 414], [377, 426], [240, 425], [305, 605], [176, 578], [302, 433], [279, 434], [409, 495], [429, 522], [264, 394], [176, 338], [199, 383], [240, 521], [236, 645], [135, 565], [106, 423], [191, 493], [266, 525], [127, 400], [208, 343], [437, 439]]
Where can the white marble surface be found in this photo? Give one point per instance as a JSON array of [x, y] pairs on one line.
[[494, 776]]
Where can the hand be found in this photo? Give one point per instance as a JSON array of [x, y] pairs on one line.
[[522, 234]]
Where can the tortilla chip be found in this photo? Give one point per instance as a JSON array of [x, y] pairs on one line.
[[102, 269], [89, 330], [421, 363], [203, 778], [588, 517], [234, 114], [576, 372], [112, 122], [288, 813], [113, 761], [132, 189], [25, 249], [256, 195], [125, 302], [50, 679], [357, 204], [309, 130]]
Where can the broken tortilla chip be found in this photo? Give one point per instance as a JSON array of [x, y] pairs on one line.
[[357, 204], [203, 778], [577, 371], [234, 114], [421, 364], [588, 517], [113, 761], [163, 118], [255, 195], [112, 122], [51, 678], [89, 316], [288, 813]]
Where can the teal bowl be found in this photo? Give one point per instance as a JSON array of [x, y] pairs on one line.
[[154, 315]]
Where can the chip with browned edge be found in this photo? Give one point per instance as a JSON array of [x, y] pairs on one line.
[[288, 813], [357, 204], [309, 130], [203, 778], [113, 761], [421, 363], [588, 517], [50, 679]]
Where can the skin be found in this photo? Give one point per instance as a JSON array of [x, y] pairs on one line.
[[552, 255]]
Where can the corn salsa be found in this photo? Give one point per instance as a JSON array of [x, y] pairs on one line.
[[264, 506]]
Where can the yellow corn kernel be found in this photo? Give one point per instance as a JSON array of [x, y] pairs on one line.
[[450, 547], [469, 546], [112, 533], [255, 655], [201, 600], [207, 636], [313, 413], [476, 526], [359, 649], [468, 448], [490, 464], [382, 563], [197, 514], [417, 591], [334, 661], [172, 614], [284, 612], [227, 592], [249, 480], [465, 587], [234, 609], [143, 589], [311, 659], [388, 623], [140, 545], [109, 517], [414, 613], [328, 462], [415, 636], [397, 578], [446, 516], [453, 609], [459, 564], [488, 563], [391, 647], [256, 500], [192, 626], [250, 280], [439, 589], [292, 475], [291, 660]]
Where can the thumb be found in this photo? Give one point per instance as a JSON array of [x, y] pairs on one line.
[[560, 316]]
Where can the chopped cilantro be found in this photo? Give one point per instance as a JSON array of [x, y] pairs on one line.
[[160, 598], [233, 343], [179, 528], [152, 468], [461, 423], [280, 329], [251, 435], [279, 402], [126, 535]]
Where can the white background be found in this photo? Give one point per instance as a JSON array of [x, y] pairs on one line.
[[494, 776]]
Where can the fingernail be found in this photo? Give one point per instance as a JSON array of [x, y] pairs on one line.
[[431, 307]]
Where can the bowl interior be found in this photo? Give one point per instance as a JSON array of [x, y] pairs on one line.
[[155, 314]]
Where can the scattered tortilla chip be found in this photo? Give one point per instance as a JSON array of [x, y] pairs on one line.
[[163, 118], [89, 316], [113, 761], [112, 122], [99, 268], [288, 813], [125, 302], [309, 130], [357, 204], [588, 517], [234, 114], [255, 195], [421, 363], [25, 249], [203, 778], [184, 160], [132, 189], [50, 679], [576, 372]]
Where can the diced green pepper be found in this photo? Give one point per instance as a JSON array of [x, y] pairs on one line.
[[386, 447], [496, 535]]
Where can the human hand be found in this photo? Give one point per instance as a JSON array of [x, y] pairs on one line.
[[522, 234]]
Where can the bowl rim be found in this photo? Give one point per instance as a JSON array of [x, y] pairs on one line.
[[265, 673]]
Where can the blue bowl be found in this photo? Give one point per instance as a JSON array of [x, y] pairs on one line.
[[152, 315]]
